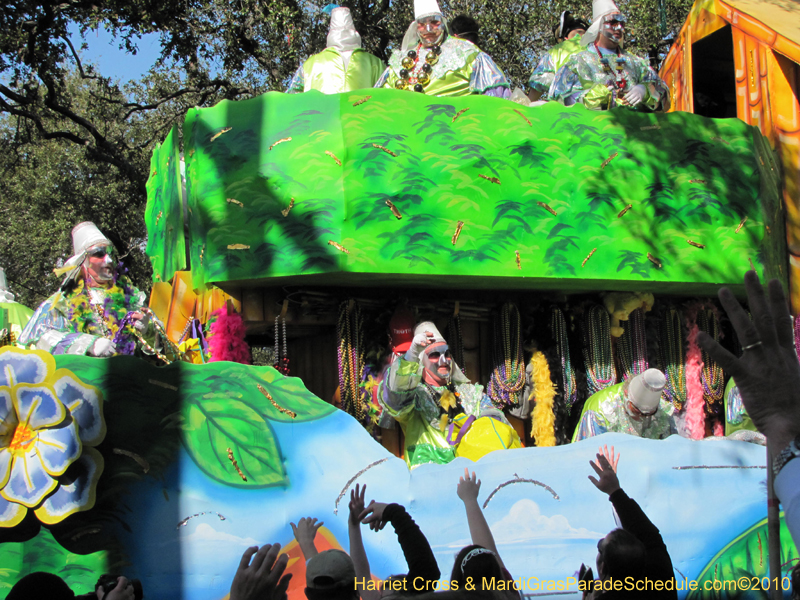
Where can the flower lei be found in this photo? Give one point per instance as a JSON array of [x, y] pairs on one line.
[[115, 308]]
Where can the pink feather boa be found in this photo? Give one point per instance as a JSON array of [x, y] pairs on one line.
[[226, 341], [695, 413]]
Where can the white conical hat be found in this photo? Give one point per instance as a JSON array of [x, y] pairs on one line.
[[426, 8], [84, 236], [429, 326], [600, 8], [342, 33], [645, 390], [456, 375]]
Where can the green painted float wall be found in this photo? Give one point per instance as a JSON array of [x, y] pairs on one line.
[[491, 163]]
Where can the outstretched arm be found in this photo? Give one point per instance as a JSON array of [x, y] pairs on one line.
[[768, 377], [304, 532], [467, 490], [357, 552]]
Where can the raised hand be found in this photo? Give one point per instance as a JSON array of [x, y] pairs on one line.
[[468, 487], [373, 515], [607, 481], [768, 372], [357, 504], [305, 532], [610, 456], [262, 578], [418, 344]]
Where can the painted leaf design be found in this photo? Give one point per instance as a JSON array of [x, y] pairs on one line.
[[212, 425]]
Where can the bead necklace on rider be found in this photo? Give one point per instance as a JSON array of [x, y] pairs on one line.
[[620, 80], [413, 73]]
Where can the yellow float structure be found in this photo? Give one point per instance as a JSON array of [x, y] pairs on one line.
[[741, 58]]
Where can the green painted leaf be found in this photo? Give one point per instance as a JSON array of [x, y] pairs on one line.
[[746, 556], [214, 423]]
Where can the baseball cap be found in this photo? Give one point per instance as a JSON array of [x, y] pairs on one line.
[[331, 569]]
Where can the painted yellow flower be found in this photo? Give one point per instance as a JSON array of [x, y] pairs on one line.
[[49, 419]]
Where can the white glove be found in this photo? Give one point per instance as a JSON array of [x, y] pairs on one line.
[[418, 344], [103, 347], [635, 95], [141, 325]]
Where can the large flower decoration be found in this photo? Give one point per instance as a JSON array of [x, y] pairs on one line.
[[49, 421]]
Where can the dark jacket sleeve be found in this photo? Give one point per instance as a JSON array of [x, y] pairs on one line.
[[633, 520], [416, 549]]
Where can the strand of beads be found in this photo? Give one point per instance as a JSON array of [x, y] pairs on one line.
[[632, 346], [711, 377], [457, 349], [281, 364], [350, 355], [673, 357], [508, 378], [620, 81], [415, 73], [597, 352], [569, 381]]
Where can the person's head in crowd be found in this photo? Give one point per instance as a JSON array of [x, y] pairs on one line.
[[619, 555], [41, 585], [568, 26], [465, 28], [331, 575], [478, 563]]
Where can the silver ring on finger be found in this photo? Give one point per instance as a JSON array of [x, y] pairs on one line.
[[751, 346]]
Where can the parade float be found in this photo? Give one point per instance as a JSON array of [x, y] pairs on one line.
[[317, 215]]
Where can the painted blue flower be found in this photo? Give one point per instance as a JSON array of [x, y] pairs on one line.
[[49, 419]]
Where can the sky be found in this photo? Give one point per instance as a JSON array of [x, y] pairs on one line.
[[104, 52]]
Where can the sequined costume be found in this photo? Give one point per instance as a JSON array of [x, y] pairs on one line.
[[585, 78], [415, 405], [544, 73], [605, 412], [329, 73], [51, 329], [462, 69]]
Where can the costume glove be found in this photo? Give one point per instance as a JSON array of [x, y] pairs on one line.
[[103, 347], [635, 95]]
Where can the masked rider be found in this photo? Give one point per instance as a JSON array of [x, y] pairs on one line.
[[343, 66], [432, 62], [93, 303], [437, 406], [604, 75]]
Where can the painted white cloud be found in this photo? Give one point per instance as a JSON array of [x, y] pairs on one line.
[[525, 522], [205, 533]]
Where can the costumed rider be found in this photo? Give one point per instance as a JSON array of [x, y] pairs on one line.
[[441, 413], [343, 66], [605, 75], [432, 62], [96, 307], [634, 406], [568, 33]]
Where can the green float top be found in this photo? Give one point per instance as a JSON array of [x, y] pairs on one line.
[[381, 187]]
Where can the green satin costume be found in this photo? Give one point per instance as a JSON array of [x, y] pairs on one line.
[[556, 57], [326, 72]]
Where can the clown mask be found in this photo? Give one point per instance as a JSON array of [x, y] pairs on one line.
[[613, 28]]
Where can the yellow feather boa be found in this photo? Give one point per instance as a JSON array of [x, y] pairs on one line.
[[543, 419]]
